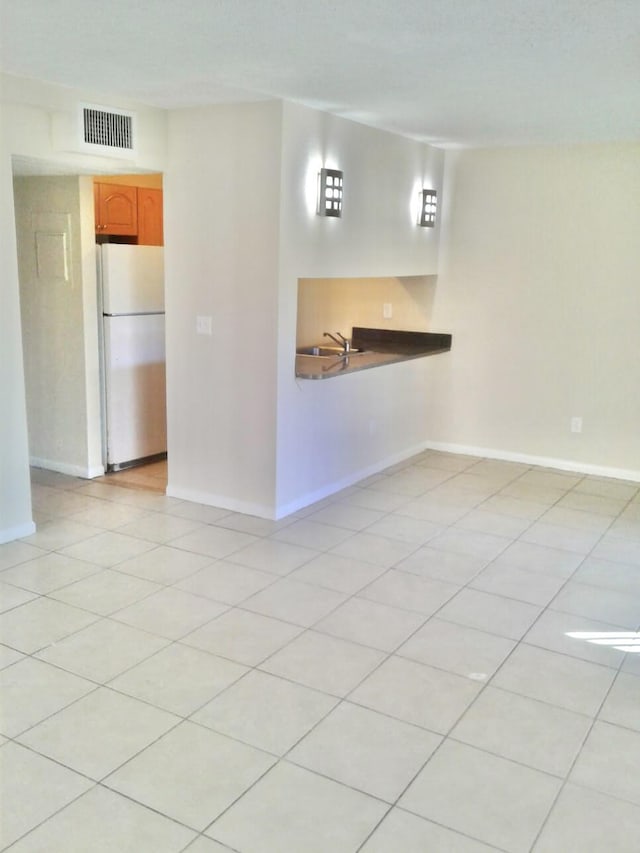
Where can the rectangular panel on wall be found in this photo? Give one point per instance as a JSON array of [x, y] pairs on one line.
[[52, 235]]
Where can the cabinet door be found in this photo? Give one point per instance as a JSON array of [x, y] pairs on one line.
[[116, 209], [150, 228]]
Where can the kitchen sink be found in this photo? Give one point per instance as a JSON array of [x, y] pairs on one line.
[[326, 352]]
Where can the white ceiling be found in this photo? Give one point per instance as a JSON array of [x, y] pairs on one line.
[[450, 72]]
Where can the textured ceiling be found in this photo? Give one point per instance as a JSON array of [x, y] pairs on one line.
[[450, 72]]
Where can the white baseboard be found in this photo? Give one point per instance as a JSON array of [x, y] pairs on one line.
[[541, 461], [64, 468], [350, 480], [220, 501], [11, 533]]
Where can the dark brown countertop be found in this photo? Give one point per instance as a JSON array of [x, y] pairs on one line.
[[373, 348]]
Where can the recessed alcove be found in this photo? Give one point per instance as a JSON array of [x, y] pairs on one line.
[[338, 304]]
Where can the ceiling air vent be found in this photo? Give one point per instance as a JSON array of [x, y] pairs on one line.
[[112, 129]]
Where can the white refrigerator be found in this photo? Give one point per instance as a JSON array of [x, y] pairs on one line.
[[131, 305]]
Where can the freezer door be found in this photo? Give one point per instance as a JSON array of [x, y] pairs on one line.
[[132, 279], [134, 372]]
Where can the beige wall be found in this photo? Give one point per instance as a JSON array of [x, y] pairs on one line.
[[59, 315], [540, 285]]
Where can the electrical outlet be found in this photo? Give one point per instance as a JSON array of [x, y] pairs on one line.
[[203, 325], [576, 424], [387, 310]]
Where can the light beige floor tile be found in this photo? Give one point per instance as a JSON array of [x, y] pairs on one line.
[[206, 845], [550, 479], [107, 515], [31, 789], [371, 624], [159, 527], [266, 712], [484, 520], [339, 573], [349, 517], [599, 504], [609, 762], [552, 631], [558, 679], [13, 553], [622, 705], [468, 790], [49, 572], [539, 494], [213, 541], [442, 565], [108, 549], [312, 534], [32, 690], [524, 730], [294, 601], [456, 648], [606, 605], [323, 663], [270, 555], [102, 650], [491, 613], [241, 636], [417, 694], [9, 656], [408, 591], [558, 536], [607, 488], [58, 534], [39, 623], [471, 542], [178, 679], [165, 565], [105, 592], [174, 775], [531, 587], [372, 499], [437, 509], [366, 750], [227, 582], [608, 575], [291, 809], [590, 822], [540, 558], [252, 524], [12, 596], [618, 550], [402, 831], [98, 732], [103, 822], [374, 549], [405, 529], [199, 512], [515, 507], [576, 518], [170, 613]]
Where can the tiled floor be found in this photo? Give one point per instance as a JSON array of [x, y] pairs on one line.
[[438, 659]]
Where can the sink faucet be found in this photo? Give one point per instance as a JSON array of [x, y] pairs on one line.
[[345, 343]]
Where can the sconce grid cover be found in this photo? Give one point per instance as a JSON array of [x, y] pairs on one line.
[[330, 183], [428, 204]]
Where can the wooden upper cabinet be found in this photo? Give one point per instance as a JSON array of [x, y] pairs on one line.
[[150, 217], [116, 209]]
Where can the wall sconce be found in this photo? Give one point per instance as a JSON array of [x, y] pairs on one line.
[[427, 210], [329, 192]]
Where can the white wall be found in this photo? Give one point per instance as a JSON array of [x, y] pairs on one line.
[[221, 232], [539, 282], [28, 113], [333, 432]]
